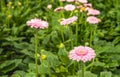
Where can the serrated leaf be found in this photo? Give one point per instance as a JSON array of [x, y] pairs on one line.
[[9, 65], [105, 74], [31, 74], [86, 74]]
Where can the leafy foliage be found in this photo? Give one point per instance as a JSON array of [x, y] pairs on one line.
[[17, 54]]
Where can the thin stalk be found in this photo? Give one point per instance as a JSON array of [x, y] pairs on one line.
[[82, 69], [81, 28], [76, 34], [62, 33], [90, 65], [91, 36], [95, 30], [117, 7], [36, 52], [71, 35]]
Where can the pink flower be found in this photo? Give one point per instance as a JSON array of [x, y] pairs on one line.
[[93, 12], [37, 23], [87, 5], [93, 20], [49, 6], [61, 0], [70, 0], [69, 20], [58, 9], [69, 7], [82, 1], [82, 53]]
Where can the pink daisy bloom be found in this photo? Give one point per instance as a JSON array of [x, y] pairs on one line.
[[61, 0], [93, 20], [87, 5], [93, 12], [69, 7], [37, 23], [69, 20], [49, 6], [82, 53], [82, 1], [58, 9], [70, 0]]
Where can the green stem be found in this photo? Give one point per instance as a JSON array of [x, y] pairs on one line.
[[91, 36], [82, 69], [76, 35], [90, 65], [71, 35], [81, 28], [36, 52], [62, 33]]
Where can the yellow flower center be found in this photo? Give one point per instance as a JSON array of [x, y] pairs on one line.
[[83, 8], [81, 52]]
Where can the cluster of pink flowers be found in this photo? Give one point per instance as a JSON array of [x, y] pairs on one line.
[[83, 6], [69, 7], [81, 1], [82, 53], [37, 23], [69, 20]]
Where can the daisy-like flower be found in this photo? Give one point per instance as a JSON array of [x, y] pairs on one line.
[[83, 9], [69, 20], [93, 20], [82, 1], [37, 23], [93, 12], [69, 7], [49, 6], [82, 53], [61, 0], [87, 5], [58, 9], [70, 0]]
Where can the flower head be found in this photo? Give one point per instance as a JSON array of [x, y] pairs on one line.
[[61, 45], [93, 20], [49, 6], [43, 56], [93, 12], [82, 1], [61, 0], [69, 7], [87, 5], [69, 20], [70, 0], [82, 53], [37, 23], [58, 9]]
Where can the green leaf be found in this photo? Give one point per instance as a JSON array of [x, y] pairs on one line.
[[15, 75], [86, 74], [98, 63], [105, 74], [9, 65], [26, 52], [31, 74], [20, 73], [72, 76], [1, 50], [4, 76]]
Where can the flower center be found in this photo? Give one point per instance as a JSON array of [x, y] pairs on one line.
[[81, 53], [82, 8]]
